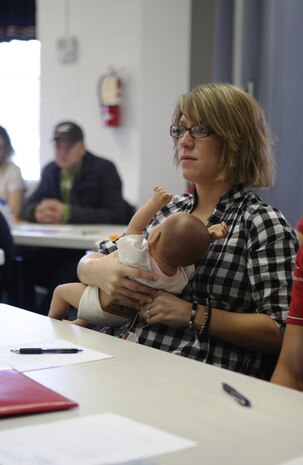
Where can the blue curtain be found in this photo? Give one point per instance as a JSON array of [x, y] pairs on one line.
[[17, 20]]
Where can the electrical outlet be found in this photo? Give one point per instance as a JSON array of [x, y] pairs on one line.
[[67, 49]]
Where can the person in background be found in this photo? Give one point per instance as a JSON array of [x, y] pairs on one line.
[[299, 230], [289, 369], [232, 312], [77, 187], [12, 185], [164, 254]]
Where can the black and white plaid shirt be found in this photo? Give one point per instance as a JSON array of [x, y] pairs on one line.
[[249, 271]]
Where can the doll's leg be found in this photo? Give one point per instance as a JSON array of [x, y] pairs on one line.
[[111, 305], [64, 296]]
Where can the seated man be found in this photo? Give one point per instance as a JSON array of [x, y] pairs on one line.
[[289, 369], [77, 187]]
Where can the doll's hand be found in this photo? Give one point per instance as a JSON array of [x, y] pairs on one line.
[[218, 231], [161, 196]]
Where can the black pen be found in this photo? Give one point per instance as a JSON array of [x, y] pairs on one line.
[[239, 397], [39, 350]]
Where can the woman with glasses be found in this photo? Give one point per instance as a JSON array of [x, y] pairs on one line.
[[232, 312], [12, 185]]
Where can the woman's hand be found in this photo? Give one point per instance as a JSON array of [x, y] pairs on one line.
[[167, 309], [117, 280]]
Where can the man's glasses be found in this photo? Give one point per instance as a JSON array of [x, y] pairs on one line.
[[197, 132]]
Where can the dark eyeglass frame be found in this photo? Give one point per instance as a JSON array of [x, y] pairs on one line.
[[204, 131]]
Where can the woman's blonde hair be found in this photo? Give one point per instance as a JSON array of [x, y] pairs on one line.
[[237, 117]]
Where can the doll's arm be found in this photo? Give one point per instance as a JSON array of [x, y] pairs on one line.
[[144, 215], [218, 231]]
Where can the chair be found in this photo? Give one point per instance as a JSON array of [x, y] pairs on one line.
[[7, 256], [2, 261], [129, 212]]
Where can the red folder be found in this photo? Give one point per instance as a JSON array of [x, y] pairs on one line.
[[20, 394]]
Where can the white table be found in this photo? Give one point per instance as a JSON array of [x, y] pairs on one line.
[[84, 237], [174, 394]]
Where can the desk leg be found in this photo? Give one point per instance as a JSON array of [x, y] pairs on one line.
[[18, 294]]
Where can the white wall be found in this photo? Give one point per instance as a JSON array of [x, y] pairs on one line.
[[149, 41]]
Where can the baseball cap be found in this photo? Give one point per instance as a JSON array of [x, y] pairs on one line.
[[68, 130]]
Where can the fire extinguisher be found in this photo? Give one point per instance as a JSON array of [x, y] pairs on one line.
[[109, 90]]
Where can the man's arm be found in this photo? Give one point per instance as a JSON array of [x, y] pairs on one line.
[[47, 188], [96, 196]]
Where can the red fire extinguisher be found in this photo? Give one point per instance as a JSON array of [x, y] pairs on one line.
[[109, 90]]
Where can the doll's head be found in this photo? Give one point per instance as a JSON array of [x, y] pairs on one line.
[[181, 240]]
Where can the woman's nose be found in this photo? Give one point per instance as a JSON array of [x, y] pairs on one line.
[[186, 140]]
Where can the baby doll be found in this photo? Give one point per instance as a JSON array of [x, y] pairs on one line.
[[170, 253]]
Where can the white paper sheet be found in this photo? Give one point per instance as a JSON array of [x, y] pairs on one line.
[[30, 362], [47, 229], [297, 461], [97, 439]]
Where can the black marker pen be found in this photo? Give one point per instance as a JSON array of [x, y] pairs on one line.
[[39, 350], [234, 393]]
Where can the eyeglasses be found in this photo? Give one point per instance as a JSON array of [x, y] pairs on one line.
[[197, 132]]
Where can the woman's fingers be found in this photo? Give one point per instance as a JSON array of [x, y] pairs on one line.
[[131, 296], [118, 280], [136, 273]]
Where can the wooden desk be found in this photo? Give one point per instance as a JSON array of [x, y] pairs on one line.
[[172, 393], [83, 237]]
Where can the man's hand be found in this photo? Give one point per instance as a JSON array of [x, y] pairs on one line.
[[49, 211]]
